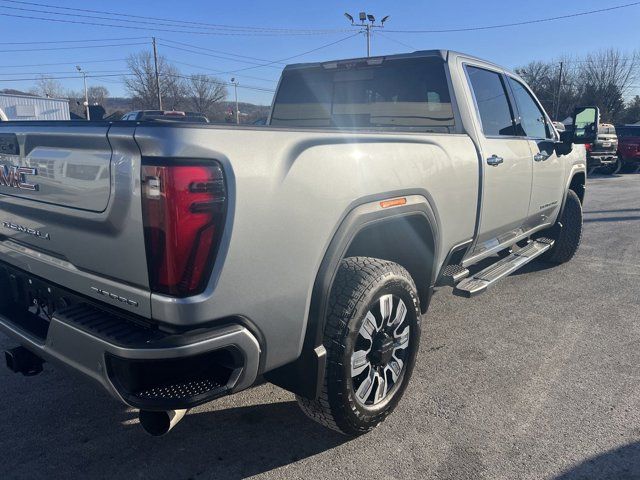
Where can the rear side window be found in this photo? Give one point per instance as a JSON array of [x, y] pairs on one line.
[[402, 94], [532, 119], [491, 99]]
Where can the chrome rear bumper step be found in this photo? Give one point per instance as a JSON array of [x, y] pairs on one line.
[[480, 281]]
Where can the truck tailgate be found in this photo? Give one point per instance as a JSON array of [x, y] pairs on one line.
[[70, 208]]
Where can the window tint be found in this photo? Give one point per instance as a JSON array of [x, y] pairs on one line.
[[491, 98], [406, 94], [532, 120]]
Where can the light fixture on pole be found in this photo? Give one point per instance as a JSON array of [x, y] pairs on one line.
[[86, 93], [367, 23], [235, 87]]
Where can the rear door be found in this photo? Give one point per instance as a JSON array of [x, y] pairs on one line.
[[506, 158], [548, 169]]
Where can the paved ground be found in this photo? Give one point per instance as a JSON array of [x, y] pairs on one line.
[[538, 378]]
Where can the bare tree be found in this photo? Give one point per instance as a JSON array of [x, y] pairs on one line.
[[141, 84], [606, 78], [205, 92], [48, 87], [97, 95]]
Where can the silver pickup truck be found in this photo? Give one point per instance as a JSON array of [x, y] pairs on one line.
[[175, 263]]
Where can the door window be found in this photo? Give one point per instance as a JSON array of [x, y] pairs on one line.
[[532, 119], [492, 102]]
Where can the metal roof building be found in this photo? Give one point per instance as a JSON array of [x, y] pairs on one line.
[[25, 107]]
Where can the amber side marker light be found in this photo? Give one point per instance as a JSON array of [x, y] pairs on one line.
[[394, 202]]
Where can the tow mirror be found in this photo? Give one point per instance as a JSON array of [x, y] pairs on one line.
[[585, 124]]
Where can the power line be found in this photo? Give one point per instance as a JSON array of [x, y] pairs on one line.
[[211, 55], [198, 47], [58, 73], [64, 63], [378, 33], [295, 56], [516, 24], [154, 25], [220, 71], [70, 48], [177, 22], [48, 42]]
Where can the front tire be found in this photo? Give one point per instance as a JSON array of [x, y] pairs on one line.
[[567, 232], [372, 337]]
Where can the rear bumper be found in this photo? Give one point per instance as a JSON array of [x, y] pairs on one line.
[[601, 159], [145, 369]]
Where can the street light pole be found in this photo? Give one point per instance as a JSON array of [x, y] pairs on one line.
[[367, 23], [86, 92], [235, 87]]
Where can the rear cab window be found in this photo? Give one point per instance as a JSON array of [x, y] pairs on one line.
[[492, 102], [410, 94]]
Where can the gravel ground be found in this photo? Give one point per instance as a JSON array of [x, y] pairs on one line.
[[537, 378]]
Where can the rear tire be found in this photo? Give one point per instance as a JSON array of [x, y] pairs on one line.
[[372, 337], [566, 233]]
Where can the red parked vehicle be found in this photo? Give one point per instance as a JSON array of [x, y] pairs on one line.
[[629, 146]]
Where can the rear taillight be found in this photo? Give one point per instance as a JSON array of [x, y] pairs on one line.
[[588, 146], [183, 211]]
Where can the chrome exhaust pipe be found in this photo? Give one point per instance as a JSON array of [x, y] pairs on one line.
[[159, 423]]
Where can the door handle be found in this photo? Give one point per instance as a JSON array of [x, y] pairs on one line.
[[541, 156], [494, 160]]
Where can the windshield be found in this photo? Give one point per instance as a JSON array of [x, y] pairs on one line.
[[403, 94]]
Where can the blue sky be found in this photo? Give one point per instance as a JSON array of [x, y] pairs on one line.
[[510, 46]]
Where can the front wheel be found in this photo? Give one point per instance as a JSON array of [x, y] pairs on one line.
[[567, 232], [372, 336]]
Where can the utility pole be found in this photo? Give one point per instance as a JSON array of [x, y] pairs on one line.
[[86, 92], [155, 63], [367, 23], [235, 87], [558, 93]]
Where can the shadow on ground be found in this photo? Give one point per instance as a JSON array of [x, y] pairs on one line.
[[619, 464], [84, 432]]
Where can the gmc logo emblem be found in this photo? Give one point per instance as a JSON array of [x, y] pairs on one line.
[[16, 177]]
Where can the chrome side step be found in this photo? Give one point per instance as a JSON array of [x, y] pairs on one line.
[[480, 281]]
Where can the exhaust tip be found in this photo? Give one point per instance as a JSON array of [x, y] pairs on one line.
[[21, 360], [160, 423]]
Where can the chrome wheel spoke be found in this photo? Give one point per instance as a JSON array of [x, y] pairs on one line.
[[401, 339], [386, 307], [364, 390], [401, 314], [395, 366], [381, 387], [369, 327], [359, 362]]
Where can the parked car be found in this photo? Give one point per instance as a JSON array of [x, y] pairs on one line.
[[165, 116], [629, 146], [602, 153], [303, 252]]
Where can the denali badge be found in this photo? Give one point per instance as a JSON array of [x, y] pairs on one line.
[[28, 231], [113, 296], [15, 177]]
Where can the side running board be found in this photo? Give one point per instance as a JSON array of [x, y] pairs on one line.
[[480, 281]]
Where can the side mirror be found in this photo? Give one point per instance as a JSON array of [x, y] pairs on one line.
[[585, 124]]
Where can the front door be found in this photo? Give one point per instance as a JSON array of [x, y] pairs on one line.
[[548, 169], [507, 162]]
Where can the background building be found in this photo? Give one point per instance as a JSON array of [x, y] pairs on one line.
[[26, 107]]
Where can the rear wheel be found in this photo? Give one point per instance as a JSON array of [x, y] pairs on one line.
[[372, 337], [567, 232]]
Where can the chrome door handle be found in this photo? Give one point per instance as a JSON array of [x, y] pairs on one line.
[[541, 156], [494, 160]]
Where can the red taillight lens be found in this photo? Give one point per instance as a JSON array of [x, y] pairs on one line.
[[588, 147], [183, 211]]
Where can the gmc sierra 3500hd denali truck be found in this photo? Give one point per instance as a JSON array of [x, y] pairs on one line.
[[175, 263]]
